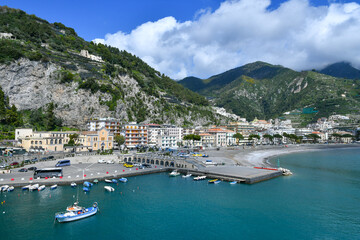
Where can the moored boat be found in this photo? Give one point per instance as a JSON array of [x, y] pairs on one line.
[[109, 189], [114, 180], [73, 184], [26, 187], [233, 182], [213, 180], [216, 182], [42, 187], [34, 187], [86, 189], [187, 175], [76, 212], [10, 189], [4, 188], [123, 180], [198, 178], [108, 180], [96, 181], [88, 184], [174, 173], [53, 187]]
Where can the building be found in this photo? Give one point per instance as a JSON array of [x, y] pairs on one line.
[[112, 124], [85, 53], [166, 141], [135, 135], [98, 140], [207, 139]]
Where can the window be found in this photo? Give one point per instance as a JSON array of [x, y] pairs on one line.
[[32, 142], [94, 145], [36, 142], [102, 139]]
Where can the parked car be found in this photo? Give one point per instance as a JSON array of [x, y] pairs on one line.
[[50, 157], [34, 160], [27, 161], [14, 164], [110, 162], [32, 168], [101, 161], [128, 165], [137, 164], [147, 165], [22, 170], [4, 165]]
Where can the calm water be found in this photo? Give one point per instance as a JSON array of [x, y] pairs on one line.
[[321, 201]]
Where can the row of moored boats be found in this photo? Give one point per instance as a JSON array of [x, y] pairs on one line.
[[198, 178], [34, 187]]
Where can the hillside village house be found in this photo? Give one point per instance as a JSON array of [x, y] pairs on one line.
[[54, 141]]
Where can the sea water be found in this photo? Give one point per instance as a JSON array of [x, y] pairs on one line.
[[320, 201]]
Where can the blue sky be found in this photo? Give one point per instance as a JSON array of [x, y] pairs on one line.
[[206, 37]]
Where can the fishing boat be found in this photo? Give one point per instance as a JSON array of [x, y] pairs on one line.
[[233, 182], [213, 180], [108, 180], [34, 187], [53, 187], [114, 180], [26, 187], [75, 212], [4, 188], [86, 189], [73, 184], [42, 187], [10, 189], [123, 180], [187, 175], [174, 173], [109, 189], [199, 178]]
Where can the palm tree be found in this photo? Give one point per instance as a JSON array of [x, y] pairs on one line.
[[238, 137]]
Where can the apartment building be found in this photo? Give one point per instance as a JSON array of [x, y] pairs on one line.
[[135, 135]]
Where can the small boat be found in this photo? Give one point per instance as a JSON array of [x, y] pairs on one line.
[[53, 187], [216, 182], [4, 188], [26, 187], [174, 173], [187, 175], [10, 189], [123, 180], [285, 172], [86, 189], [233, 182], [88, 184], [42, 187], [108, 180], [109, 189], [199, 178], [96, 181], [34, 187], [73, 184], [114, 180], [213, 180], [76, 212]]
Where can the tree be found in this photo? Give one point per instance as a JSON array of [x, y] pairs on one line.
[[50, 120], [192, 137], [269, 137], [73, 139], [119, 139], [313, 136], [337, 137], [238, 137], [278, 136]]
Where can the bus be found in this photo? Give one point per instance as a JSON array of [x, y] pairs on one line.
[[63, 163], [48, 172]]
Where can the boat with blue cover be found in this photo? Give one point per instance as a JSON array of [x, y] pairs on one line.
[[88, 184], [86, 189], [114, 180], [123, 180], [75, 212]]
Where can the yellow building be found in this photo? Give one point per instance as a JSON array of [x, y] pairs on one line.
[[95, 140]]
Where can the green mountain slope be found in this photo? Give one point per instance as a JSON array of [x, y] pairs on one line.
[[123, 84], [341, 70], [266, 91]]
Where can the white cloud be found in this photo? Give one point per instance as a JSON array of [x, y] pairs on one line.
[[296, 35]]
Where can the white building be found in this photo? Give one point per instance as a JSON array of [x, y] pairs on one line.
[[166, 141], [85, 53]]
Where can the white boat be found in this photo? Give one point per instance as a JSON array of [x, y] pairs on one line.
[[187, 175], [33, 187], [123, 180], [10, 189], [285, 172], [108, 180], [4, 188], [199, 178], [26, 187], [174, 173], [233, 182], [76, 212], [109, 189], [73, 184], [53, 187], [42, 187]]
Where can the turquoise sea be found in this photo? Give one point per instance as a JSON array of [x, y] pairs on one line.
[[320, 201]]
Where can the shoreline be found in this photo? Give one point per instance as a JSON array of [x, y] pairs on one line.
[[260, 157]]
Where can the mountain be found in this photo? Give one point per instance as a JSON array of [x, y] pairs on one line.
[[341, 70], [267, 91], [44, 63]]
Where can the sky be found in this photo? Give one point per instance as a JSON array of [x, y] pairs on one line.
[[202, 38]]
